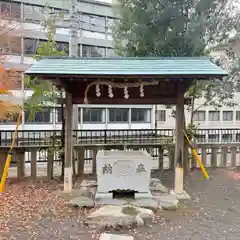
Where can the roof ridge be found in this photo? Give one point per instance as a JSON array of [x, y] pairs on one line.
[[123, 58]]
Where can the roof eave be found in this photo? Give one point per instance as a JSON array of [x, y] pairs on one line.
[[194, 76]]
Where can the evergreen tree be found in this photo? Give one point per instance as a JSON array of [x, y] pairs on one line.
[[181, 28]]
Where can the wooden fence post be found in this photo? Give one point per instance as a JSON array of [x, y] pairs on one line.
[[214, 157], [80, 165], [160, 158], [171, 151], [204, 155], [94, 161], [20, 156], [34, 164], [224, 152], [233, 156], [187, 159], [50, 159]]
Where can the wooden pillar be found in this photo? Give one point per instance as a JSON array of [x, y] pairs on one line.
[[171, 150], [68, 143], [214, 157], [160, 158], [20, 155], [80, 165], [224, 153], [94, 163], [204, 155], [50, 160], [233, 156], [179, 146], [34, 164]]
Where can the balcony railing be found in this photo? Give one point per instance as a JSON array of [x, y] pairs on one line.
[[89, 137], [115, 137]]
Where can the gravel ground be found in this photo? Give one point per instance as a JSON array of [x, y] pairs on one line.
[[35, 212], [213, 213]]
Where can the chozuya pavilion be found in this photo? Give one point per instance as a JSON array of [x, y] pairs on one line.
[[125, 81]]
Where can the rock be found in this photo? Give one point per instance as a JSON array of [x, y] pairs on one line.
[[143, 215], [114, 217], [167, 202], [88, 183], [180, 196], [82, 202], [111, 201], [146, 217], [111, 222], [109, 217], [87, 191], [86, 188], [107, 236], [156, 185], [146, 203]]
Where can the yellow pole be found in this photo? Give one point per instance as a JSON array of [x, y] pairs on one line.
[[9, 157], [194, 152]]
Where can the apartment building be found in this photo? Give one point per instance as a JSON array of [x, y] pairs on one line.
[[215, 125], [95, 19], [95, 40]]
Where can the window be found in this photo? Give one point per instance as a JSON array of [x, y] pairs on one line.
[[10, 9], [161, 115], [200, 138], [227, 115], [227, 138], [10, 45], [12, 119], [94, 23], [93, 51], [31, 45], [111, 23], [63, 46], [140, 115], [214, 116], [213, 138], [118, 115], [58, 115], [33, 13], [39, 117], [93, 115], [237, 137], [199, 116], [237, 115], [15, 45], [111, 53]]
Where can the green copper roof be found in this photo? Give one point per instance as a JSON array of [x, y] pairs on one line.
[[126, 66]]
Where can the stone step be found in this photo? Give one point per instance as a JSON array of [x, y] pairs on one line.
[[107, 236]]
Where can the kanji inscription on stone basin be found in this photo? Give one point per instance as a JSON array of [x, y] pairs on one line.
[[140, 168], [107, 169]]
